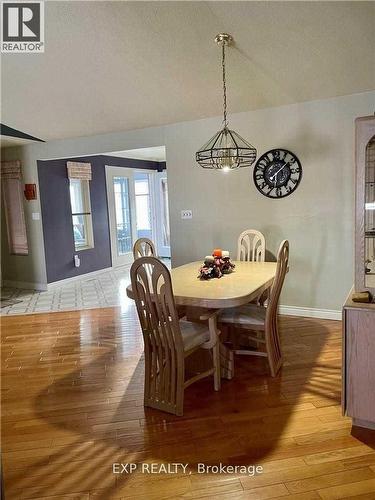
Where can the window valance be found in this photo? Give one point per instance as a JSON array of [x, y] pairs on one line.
[[11, 169], [77, 170]]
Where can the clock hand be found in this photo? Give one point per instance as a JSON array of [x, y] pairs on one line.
[[274, 175]]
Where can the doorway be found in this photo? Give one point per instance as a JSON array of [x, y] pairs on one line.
[[138, 208]]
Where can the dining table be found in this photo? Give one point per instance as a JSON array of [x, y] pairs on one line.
[[247, 282]]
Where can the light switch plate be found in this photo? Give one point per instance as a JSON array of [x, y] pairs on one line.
[[186, 214], [35, 216]]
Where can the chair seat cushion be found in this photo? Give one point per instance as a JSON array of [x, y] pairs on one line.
[[193, 334], [249, 315]]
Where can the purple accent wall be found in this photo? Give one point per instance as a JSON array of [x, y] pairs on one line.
[[57, 218]]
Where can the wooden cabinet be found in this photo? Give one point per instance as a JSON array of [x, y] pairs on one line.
[[358, 396]]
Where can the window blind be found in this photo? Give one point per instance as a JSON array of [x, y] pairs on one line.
[[77, 170], [13, 206], [11, 170]]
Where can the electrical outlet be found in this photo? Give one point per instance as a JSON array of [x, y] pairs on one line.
[[186, 214]]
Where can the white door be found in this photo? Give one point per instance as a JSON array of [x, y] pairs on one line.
[[162, 219], [122, 215]]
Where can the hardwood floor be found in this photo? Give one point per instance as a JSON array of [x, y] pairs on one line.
[[72, 405]]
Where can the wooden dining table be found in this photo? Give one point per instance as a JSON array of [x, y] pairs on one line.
[[247, 282]]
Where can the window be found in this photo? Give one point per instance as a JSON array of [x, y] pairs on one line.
[[165, 214], [81, 214], [143, 205]]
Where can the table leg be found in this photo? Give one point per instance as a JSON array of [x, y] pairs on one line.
[[200, 360]]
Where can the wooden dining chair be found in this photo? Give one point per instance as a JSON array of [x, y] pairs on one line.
[[144, 247], [168, 340], [251, 246], [262, 320]]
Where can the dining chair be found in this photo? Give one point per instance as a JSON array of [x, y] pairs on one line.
[[251, 246], [144, 247], [262, 320], [168, 340]]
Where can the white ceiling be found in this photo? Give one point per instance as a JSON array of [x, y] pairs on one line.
[[111, 66], [153, 154]]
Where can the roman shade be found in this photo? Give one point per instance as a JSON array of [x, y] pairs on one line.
[[11, 184], [79, 170], [11, 170]]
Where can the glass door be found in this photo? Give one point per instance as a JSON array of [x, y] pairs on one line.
[[144, 204], [163, 231], [122, 213]]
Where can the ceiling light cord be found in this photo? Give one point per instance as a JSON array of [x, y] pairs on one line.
[[225, 121]]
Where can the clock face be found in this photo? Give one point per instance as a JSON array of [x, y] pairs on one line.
[[277, 173]]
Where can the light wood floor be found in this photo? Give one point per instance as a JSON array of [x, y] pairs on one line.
[[72, 391]]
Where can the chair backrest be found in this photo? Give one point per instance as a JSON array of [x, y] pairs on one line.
[[143, 247], [273, 342], [153, 295], [281, 269], [251, 246]]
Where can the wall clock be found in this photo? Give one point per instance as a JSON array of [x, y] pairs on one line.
[[277, 173]]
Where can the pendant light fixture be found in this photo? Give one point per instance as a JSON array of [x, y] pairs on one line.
[[226, 150]]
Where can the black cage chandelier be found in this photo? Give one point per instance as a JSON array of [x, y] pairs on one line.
[[226, 150]]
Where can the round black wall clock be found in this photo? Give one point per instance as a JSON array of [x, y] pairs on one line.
[[277, 173]]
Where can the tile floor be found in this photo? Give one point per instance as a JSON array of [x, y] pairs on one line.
[[104, 290]]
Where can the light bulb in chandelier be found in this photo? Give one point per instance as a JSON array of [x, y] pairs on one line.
[[227, 162]]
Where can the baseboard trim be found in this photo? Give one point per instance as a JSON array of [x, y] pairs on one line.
[[363, 423], [310, 312], [40, 287], [80, 277]]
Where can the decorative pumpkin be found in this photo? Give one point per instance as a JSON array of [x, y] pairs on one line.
[[216, 265]]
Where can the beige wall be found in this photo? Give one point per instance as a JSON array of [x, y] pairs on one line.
[[317, 219]]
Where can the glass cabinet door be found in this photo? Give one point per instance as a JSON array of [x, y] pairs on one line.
[[365, 205], [369, 216]]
